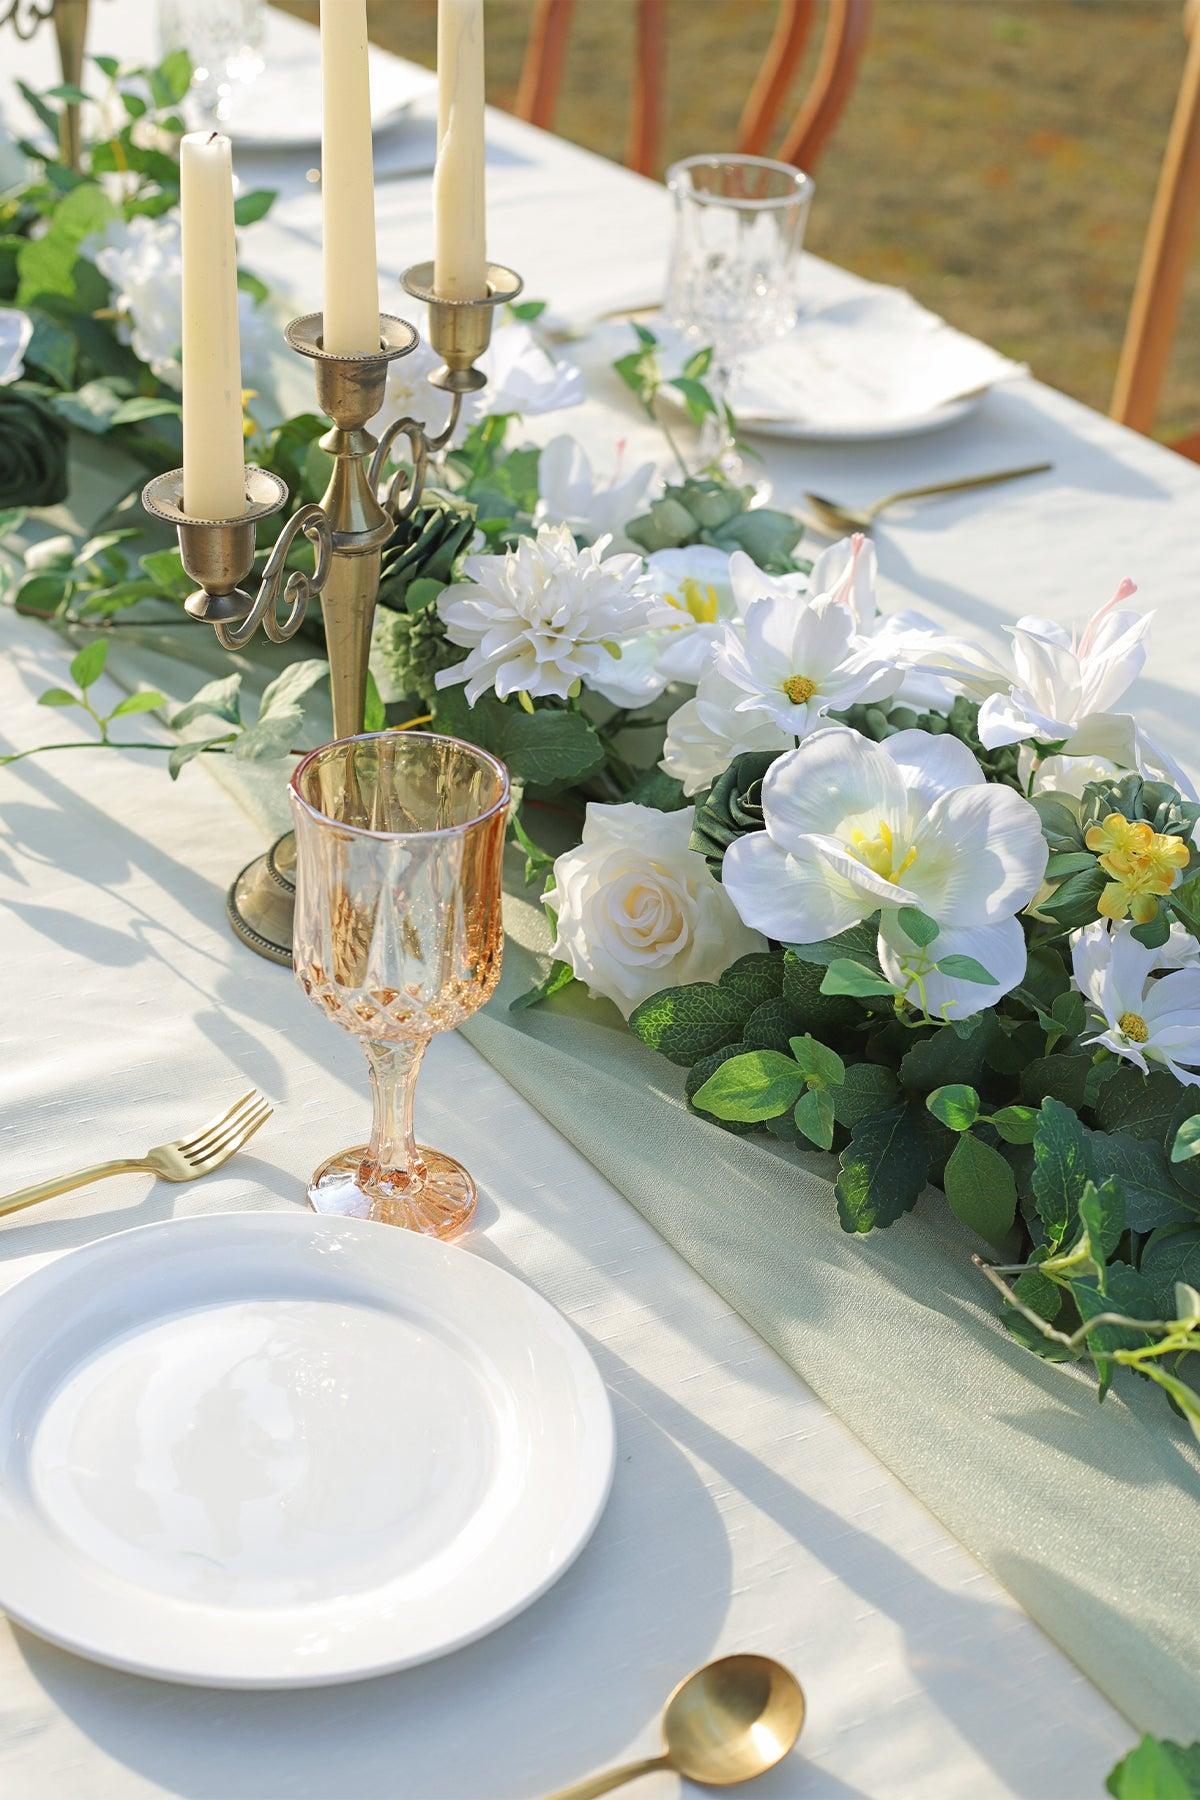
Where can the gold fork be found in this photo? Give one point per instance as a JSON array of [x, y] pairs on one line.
[[183, 1159]]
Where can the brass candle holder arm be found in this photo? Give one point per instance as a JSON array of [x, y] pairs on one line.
[[218, 554]]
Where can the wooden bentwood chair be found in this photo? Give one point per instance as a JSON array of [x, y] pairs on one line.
[[1158, 292], [802, 143]]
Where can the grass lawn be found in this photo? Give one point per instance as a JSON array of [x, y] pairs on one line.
[[997, 158]]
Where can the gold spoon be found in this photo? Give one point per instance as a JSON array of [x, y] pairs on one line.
[[727, 1722], [842, 519]]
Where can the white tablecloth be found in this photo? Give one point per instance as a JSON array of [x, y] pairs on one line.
[[743, 1514]]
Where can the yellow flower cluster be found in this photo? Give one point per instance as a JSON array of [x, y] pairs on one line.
[[1143, 864]]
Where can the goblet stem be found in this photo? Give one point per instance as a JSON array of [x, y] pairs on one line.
[[393, 1165]]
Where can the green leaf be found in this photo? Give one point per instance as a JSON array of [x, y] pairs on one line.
[[91, 408], [943, 1056], [819, 1064], [981, 1188], [1059, 1077], [955, 1105], [374, 711], [1062, 1167], [561, 975], [172, 78], [1171, 1254], [1151, 1196], [846, 977], [1188, 1402], [759, 976], [46, 264], [248, 208], [696, 397], [868, 1088], [144, 406], [220, 699], [917, 926], [1187, 1140], [883, 1169], [541, 748], [965, 968], [813, 1115], [1125, 1291], [756, 1085], [1142, 1105], [165, 569], [860, 944], [145, 700], [282, 695], [57, 696], [1015, 1124], [1102, 1215], [538, 862], [686, 1023], [67, 90], [1075, 900], [183, 753], [88, 664], [773, 1025], [1039, 1292], [813, 1009]]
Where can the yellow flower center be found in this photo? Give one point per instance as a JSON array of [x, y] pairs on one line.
[[879, 853], [1143, 864], [799, 689], [1134, 1027], [700, 602]]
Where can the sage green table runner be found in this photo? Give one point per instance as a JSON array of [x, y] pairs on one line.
[[1089, 1515]]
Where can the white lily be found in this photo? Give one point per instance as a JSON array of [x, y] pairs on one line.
[[16, 329], [854, 828], [1145, 1017], [1065, 677], [523, 377], [569, 493], [707, 732], [546, 616], [797, 663]]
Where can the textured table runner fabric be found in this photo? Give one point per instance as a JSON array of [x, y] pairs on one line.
[[744, 1515], [1090, 1516]]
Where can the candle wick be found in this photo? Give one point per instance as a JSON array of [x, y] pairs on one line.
[[213, 136]]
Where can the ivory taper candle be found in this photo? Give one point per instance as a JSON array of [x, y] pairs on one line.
[[214, 483], [351, 299], [460, 256]]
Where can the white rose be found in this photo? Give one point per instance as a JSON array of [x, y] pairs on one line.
[[638, 911]]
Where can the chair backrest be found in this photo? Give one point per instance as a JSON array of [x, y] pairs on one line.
[[1166, 255], [802, 141]]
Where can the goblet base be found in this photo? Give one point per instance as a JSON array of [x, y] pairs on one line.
[[439, 1207]]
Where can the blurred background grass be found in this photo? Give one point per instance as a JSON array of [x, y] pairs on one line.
[[997, 157]]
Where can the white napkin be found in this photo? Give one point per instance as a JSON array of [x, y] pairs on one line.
[[870, 359]]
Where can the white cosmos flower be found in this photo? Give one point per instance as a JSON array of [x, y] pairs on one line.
[[569, 493], [707, 732], [638, 910], [854, 827], [1142, 1019], [16, 329], [796, 663], [545, 616], [142, 260]]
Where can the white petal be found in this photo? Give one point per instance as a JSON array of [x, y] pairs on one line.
[[999, 948], [1007, 719], [795, 901], [933, 764], [980, 855], [836, 778]]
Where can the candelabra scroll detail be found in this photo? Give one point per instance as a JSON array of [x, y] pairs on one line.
[[348, 530]]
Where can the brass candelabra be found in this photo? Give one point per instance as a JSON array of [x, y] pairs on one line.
[[348, 530], [70, 28]]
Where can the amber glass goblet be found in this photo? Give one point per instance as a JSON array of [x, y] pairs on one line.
[[398, 935]]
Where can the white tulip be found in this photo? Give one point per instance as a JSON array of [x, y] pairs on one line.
[[1144, 1017], [854, 828], [638, 911]]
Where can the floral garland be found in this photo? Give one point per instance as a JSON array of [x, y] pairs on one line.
[[875, 889]]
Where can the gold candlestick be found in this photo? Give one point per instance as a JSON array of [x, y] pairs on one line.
[[348, 530]]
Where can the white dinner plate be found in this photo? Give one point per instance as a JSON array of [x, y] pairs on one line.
[[265, 1449], [811, 432], [264, 115]]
